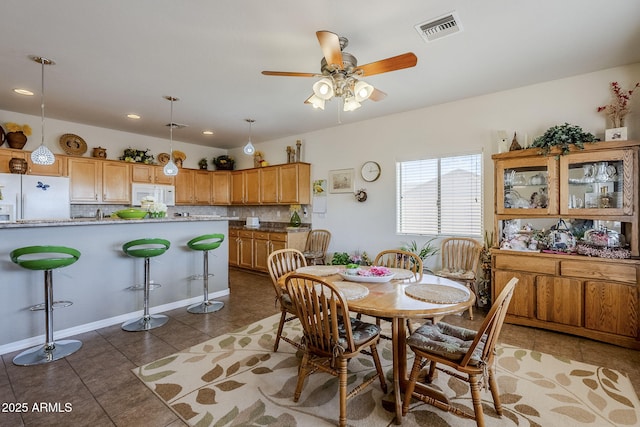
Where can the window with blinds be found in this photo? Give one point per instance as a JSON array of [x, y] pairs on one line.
[[440, 196]]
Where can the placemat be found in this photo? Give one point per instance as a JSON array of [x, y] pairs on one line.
[[402, 273], [319, 270], [438, 294], [351, 291]]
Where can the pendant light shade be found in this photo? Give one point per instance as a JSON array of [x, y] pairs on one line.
[[170, 169], [249, 149], [42, 155]]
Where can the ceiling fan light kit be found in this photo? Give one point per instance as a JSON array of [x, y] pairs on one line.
[[339, 74]]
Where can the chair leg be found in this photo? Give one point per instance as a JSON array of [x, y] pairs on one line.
[[413, 377], [302, 374], [493, 386], [342, 371], [280, 326], [432, 371], [376, 361], [474, 382]]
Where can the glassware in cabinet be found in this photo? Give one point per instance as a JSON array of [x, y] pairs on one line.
[[526, 185]]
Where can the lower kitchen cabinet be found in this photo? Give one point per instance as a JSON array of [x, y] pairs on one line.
[[591, 297], [252, 248]]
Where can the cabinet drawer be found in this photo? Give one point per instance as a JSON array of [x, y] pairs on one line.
[[278, 237], [598, 270], [525, 263], [260, 235], [247, 234]]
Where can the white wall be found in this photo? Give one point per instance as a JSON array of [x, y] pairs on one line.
[[458, 127]]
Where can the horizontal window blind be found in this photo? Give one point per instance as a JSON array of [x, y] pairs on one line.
[[440, 196]]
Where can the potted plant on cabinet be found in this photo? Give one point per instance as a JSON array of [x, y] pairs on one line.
[[203, 163], [563, 136]]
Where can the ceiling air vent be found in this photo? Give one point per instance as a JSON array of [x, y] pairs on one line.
[[439, 27], [176, 125]]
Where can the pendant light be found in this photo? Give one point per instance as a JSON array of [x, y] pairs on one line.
[[249, 149], [42, 155], [170, 169]]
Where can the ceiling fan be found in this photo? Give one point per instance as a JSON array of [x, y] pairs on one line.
[[340, 73]]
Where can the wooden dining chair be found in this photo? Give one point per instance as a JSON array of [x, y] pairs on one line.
[[315, 249], [470, 353], [329, 341], [279, 263], [398, 258], [460, 260]]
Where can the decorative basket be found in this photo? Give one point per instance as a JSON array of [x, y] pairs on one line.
[[603, 251], [17, 165], [16, 140]]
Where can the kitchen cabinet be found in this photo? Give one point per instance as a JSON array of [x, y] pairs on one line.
[[220, 188], [202, 187], [591, 297], [285, 184], [150, 174], [254, 247], [234, 248], [184, 182], [99, 181], [245, 187], [58, 168]]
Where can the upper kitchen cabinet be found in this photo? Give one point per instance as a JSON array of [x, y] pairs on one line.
[[150, 174], [58, 168], [202, 191], [294, 183], [285, 184], [184, 187], [99, 181], [221, 188], [245, 187]]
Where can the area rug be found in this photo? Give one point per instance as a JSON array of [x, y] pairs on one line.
[[237, 380]]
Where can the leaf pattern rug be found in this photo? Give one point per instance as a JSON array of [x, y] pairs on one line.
[[237, 380]]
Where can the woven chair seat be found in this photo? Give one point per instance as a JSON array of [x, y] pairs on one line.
[[456, 274], [447, 341]]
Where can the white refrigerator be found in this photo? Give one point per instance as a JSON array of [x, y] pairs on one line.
[[36, 197]]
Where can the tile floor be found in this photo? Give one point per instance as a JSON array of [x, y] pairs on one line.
[[98, 383]]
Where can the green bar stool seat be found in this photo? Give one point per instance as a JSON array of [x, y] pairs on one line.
[[205, 243], [147, 249], [47, 259]]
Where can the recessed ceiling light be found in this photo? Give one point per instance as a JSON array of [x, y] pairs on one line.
[[133, 116], [207, 132], [23, 92]]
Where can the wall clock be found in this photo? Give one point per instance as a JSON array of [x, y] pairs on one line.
[[370, 171]]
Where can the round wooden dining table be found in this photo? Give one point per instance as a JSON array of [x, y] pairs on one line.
[[390, 300]]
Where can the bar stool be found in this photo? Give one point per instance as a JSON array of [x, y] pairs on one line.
[[205, 243], [35, 258], [146, 248]]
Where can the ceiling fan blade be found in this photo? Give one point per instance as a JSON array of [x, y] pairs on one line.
[[377, 95], [406, 60], [290, 74], [330, 45]]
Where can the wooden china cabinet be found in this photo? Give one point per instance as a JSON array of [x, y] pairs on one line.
[[593, 297]]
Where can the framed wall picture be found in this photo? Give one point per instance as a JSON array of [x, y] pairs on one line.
[[341, 181]]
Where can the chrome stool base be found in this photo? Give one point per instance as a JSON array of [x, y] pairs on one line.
[[145, 323], [205, 307], [42, 354]]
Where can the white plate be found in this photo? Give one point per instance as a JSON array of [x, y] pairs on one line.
[[319, 270], [366, 279]]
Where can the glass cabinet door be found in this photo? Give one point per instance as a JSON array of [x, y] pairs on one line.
[[597, 183], [527, 186]]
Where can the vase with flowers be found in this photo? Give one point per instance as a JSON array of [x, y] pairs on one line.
[[619, 108], [16, 135]]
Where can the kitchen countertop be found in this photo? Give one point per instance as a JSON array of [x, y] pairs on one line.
[[270, 227], [30, 223]]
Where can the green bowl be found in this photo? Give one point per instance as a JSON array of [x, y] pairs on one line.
[[131, 213]]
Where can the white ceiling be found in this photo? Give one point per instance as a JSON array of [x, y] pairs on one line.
[[120, 56]]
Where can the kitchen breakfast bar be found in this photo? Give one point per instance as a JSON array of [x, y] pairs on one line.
[[98, 283]]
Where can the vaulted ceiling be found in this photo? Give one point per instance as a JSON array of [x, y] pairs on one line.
[[119, 56]]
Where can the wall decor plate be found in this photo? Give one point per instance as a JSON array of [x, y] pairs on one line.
[[163, 158], [73, 144], [179, 155]]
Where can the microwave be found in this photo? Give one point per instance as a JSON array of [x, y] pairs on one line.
[[161, 193], [7, 212]]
